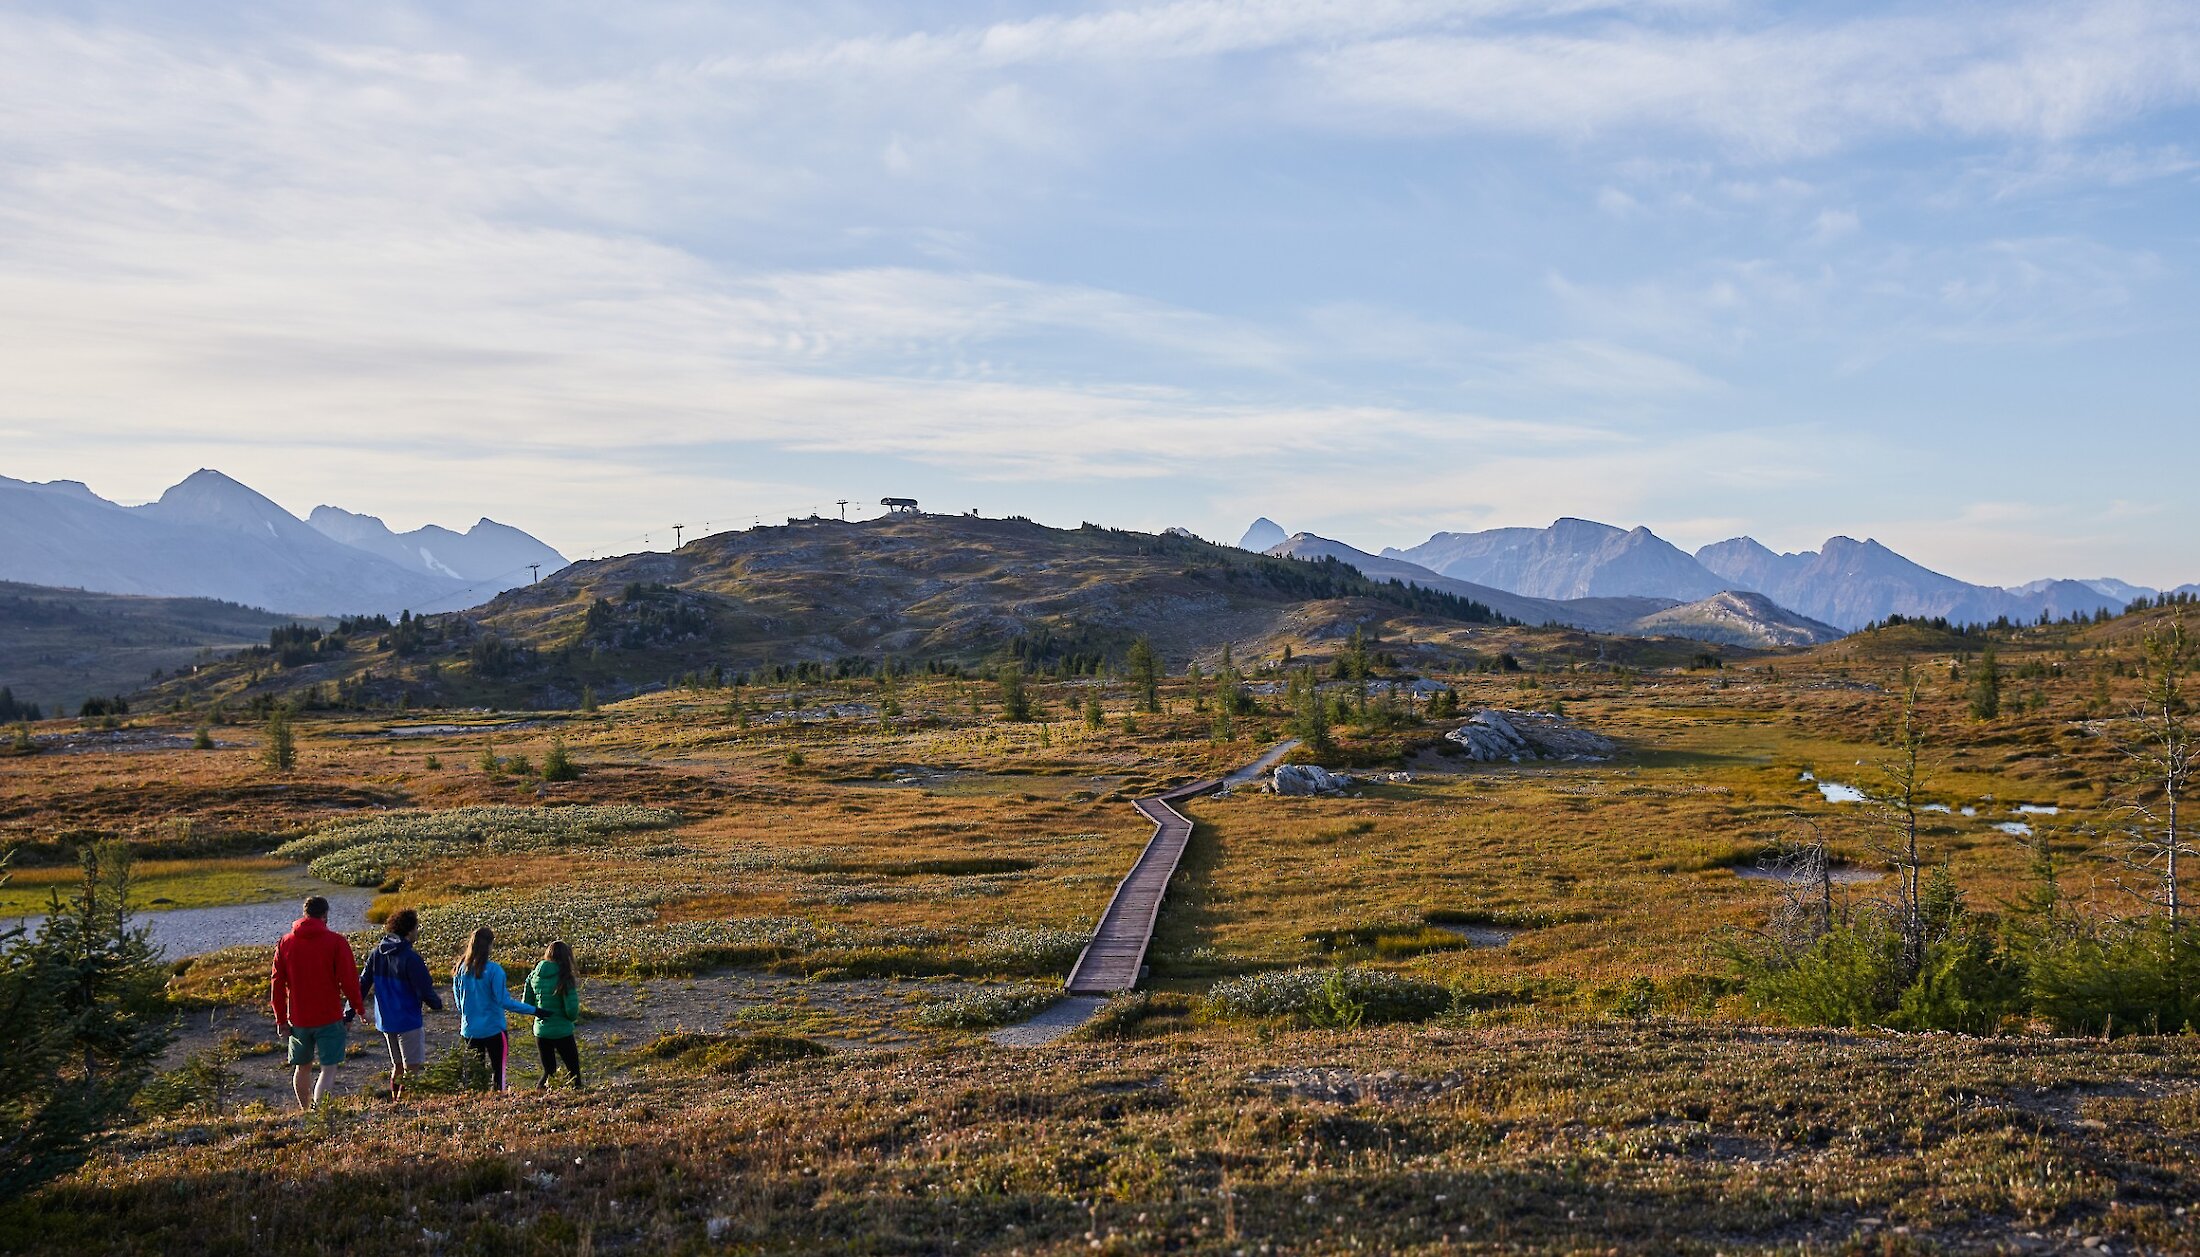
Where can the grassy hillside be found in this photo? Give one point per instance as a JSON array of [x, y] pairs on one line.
[[61, 646], [921, 591]]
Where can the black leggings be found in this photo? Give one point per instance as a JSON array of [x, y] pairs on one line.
[[567, 1049], [494, 1050]]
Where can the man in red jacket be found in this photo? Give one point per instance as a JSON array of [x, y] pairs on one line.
[[315, 979]]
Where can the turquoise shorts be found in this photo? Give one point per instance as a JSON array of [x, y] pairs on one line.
[[325, 1042]]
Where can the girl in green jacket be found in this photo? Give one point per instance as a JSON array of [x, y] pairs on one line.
[[557, 997]]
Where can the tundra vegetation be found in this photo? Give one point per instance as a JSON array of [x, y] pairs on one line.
[[1831, 955]]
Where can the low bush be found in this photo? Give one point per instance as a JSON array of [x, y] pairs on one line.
[[985, 1009], [206, 1083], [364, 852], [1029, 952], [1387, 942], [1135, 1014], [1330, 996], [731, 1053]]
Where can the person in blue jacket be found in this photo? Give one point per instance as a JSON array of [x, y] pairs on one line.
[[399, 986], [483, 996]]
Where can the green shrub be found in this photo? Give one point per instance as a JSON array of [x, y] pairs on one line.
[[2119, 979], [557, 766], [1968, 979], [206, 1083], [449, 1072]]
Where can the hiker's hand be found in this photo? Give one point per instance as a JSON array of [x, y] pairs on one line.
[[282, 1028]]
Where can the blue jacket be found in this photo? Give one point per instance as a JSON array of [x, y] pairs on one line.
[[397, 981], [482, 1001]]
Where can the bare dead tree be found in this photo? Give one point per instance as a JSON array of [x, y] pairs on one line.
[[1803, 866], [1903, 776], [2158, 748]]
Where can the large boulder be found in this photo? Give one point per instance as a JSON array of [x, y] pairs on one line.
[[1494, 735], [1302, 780]]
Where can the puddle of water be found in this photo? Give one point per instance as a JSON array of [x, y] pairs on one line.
[[1934, 807], [1835, 792], [1807, 775], [2015, 829], [1482, 935], [1841, 875], [183, 932], [440, 731], [1970, 811], [2037, 809]]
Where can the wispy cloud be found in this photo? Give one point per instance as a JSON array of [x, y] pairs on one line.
[[1777, 88], [1430, 262]]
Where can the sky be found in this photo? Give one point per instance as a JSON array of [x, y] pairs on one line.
[[1374, 268]]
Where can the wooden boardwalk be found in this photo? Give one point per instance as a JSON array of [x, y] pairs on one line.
[[1112, 962]]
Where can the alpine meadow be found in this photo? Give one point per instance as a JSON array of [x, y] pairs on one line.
[[858, 785]]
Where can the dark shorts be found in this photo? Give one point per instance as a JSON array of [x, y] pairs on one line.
[[325, 1043]]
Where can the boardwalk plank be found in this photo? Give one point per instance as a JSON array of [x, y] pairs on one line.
[[1111, 962]]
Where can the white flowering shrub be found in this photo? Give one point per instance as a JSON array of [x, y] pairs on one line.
[[1018, 949], [1314, 994], [983, 1010], [364, 852]]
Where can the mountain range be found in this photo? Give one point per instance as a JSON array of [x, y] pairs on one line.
[[211, 537], [1844, 584], [1731, 618]]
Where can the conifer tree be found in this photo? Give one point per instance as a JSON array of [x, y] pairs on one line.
[[1095, 714], [279, 748], [1986, 686], [88, 1017], [1015, 699], [557, 765], [1145, 668]]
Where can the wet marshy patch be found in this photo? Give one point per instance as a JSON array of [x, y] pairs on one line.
[[954, 866]]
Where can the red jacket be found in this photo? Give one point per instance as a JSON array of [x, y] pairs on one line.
[[314, 974]]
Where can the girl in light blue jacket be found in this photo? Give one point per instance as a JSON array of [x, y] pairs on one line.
[[477, 984]]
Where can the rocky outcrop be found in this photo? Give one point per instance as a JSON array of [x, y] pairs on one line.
[[1737, 619], [1304, 780], [1495, 736]]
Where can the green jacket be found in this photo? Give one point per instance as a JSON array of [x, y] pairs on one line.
[[558, 1012]]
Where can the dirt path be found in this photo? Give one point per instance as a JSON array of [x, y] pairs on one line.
[[1059, 1019]]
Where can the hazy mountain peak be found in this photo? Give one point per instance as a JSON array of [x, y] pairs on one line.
[[1265, 534], [496, 556], [1573, 558], [76, 489], [210, 498], [348, 527]]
